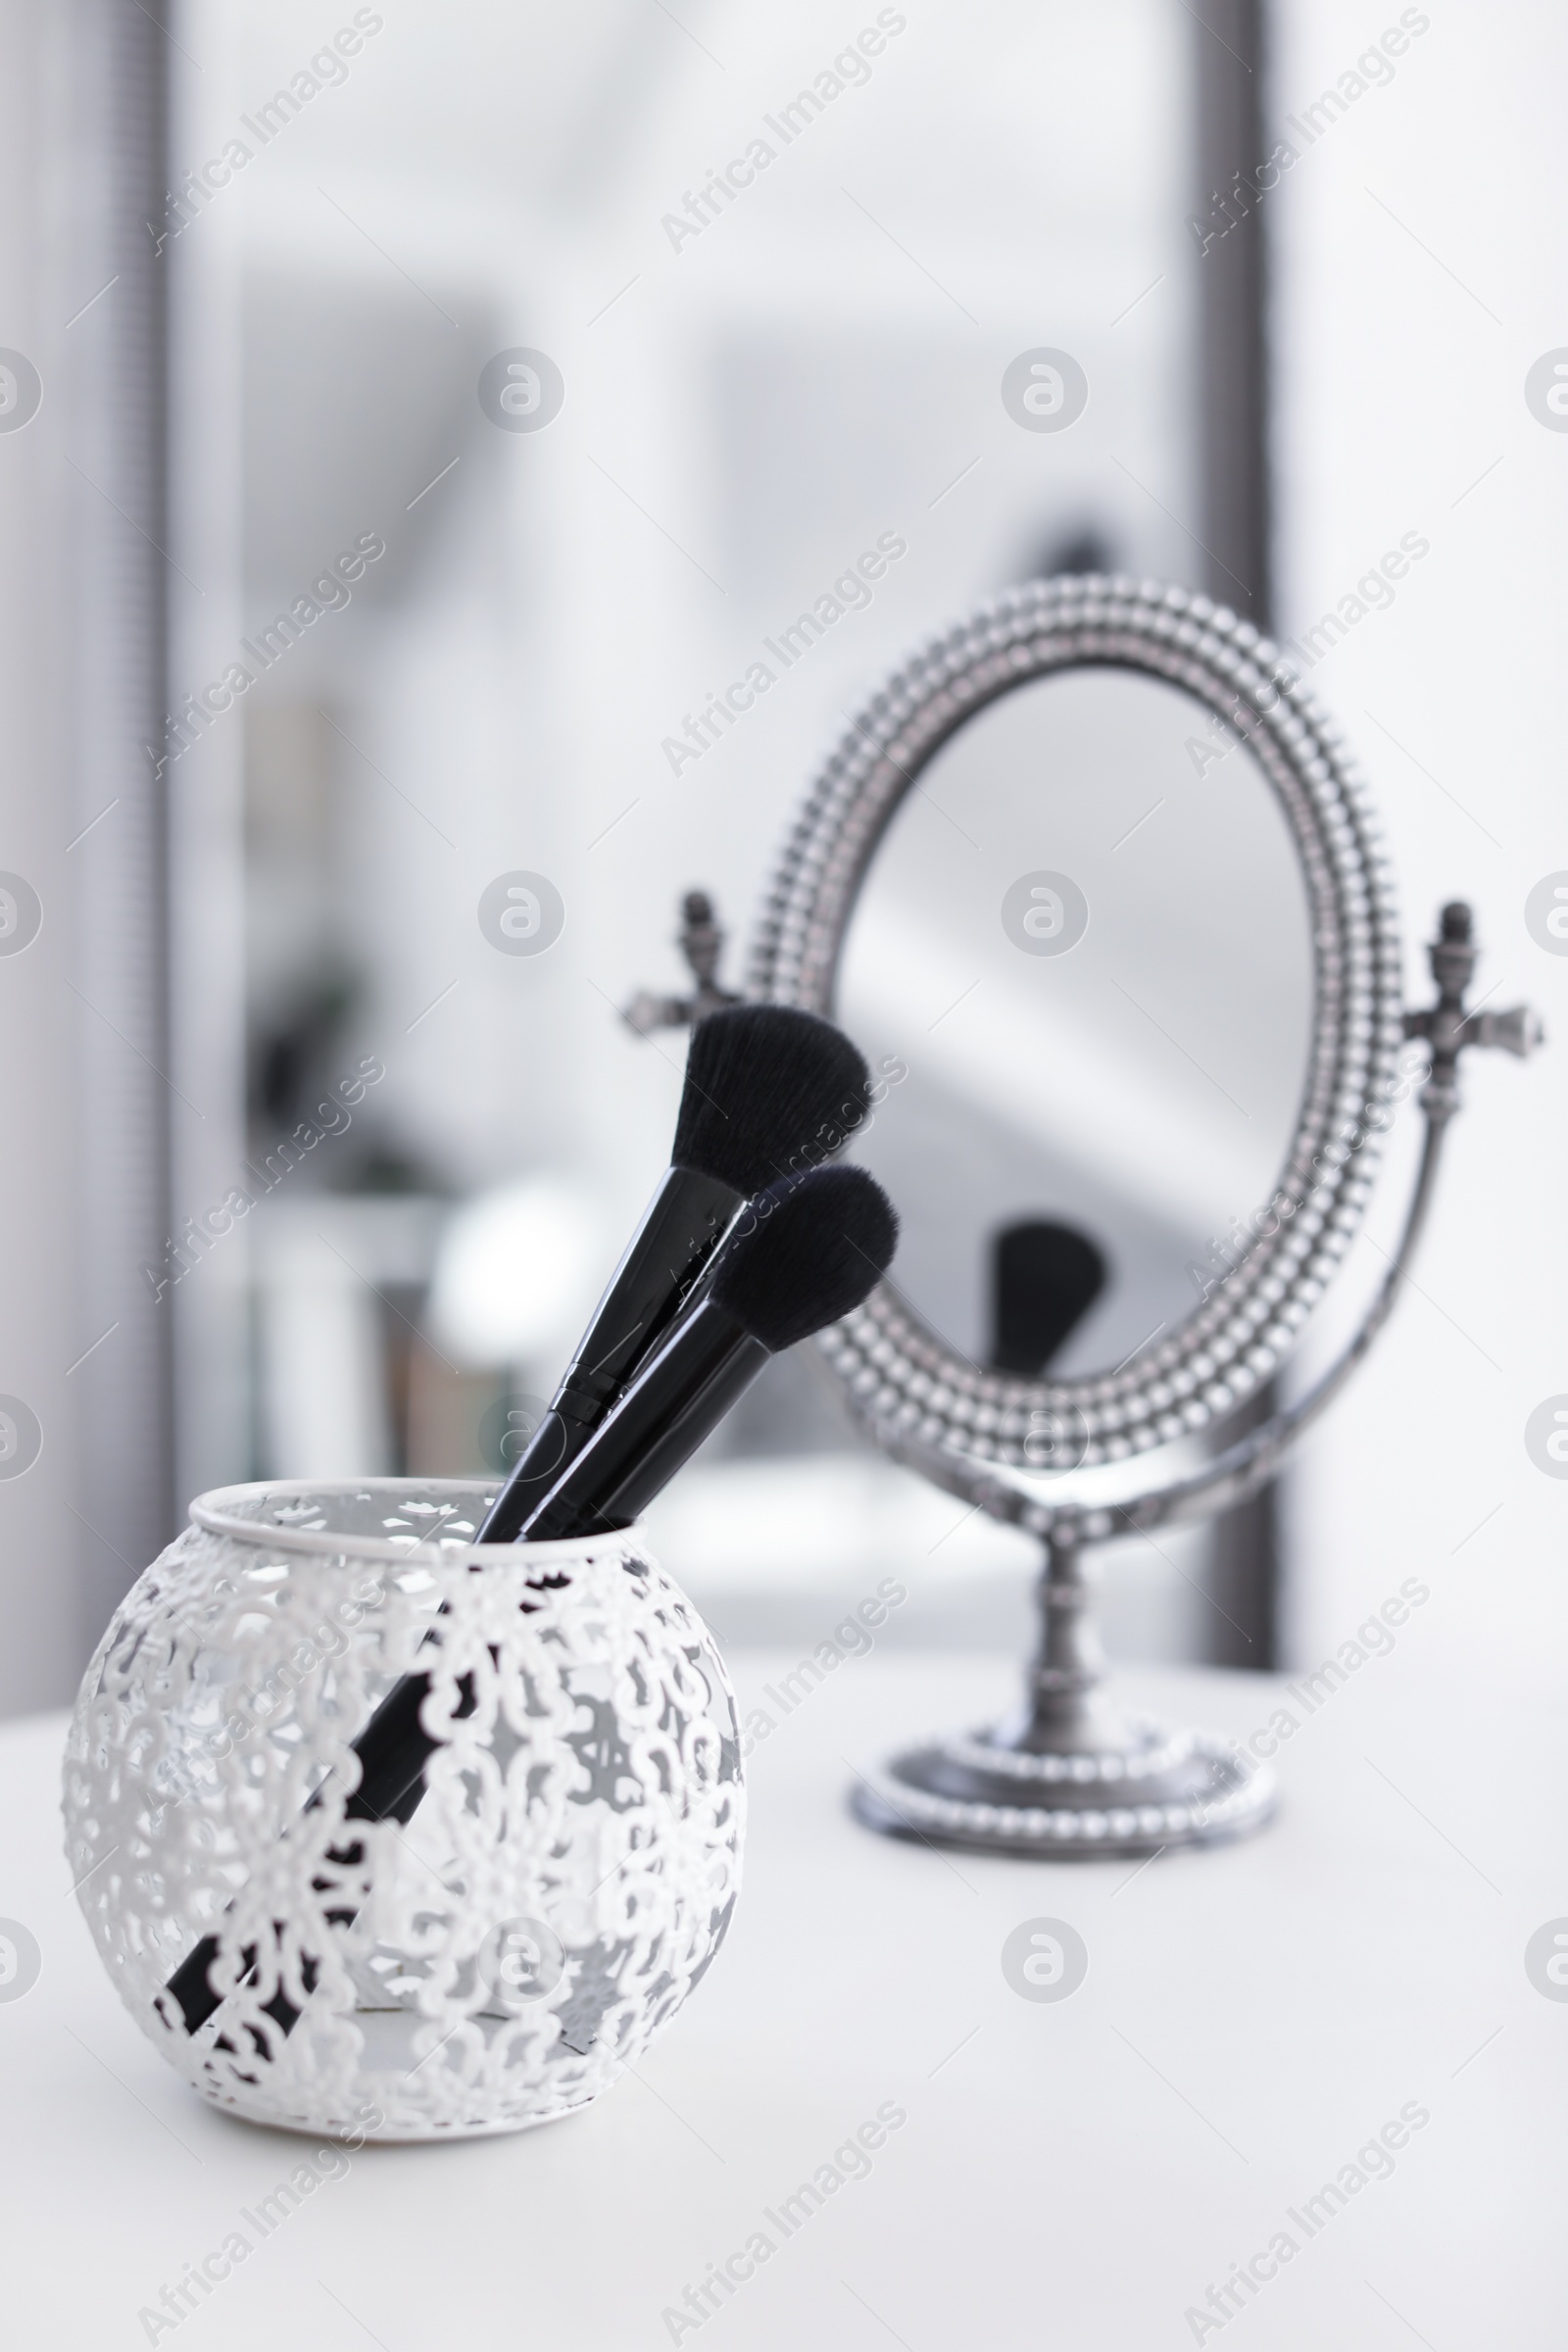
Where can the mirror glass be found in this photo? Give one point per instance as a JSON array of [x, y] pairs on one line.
[[1081, 956]]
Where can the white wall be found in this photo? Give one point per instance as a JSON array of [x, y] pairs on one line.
[[1422, 244], [40, 1544]]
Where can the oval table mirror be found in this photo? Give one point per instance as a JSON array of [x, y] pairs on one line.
[[1093, 880]]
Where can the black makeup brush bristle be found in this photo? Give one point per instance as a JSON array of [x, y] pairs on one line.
[[769, 1091], [811, 1248]]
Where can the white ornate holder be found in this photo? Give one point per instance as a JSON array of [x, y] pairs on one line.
[[557, 1893]]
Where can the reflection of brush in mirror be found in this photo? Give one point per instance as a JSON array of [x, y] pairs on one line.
[[1045, 1278]]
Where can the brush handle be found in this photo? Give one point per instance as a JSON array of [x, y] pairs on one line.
[[686, 1220], [393, 1750], [704, 1368]]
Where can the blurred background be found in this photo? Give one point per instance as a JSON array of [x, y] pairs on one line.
[[420, 432]]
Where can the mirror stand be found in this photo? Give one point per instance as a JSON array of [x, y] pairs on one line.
[[1069, 1775]]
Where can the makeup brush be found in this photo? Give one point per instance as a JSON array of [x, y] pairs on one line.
[[805, 1252], [770, 1092]]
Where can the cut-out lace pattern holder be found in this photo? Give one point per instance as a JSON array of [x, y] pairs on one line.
[[592, 1792]]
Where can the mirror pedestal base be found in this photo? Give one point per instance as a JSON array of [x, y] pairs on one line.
[[1069, 1777], [1001, 1800]]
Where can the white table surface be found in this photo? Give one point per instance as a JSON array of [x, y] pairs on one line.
[[1074, 2174]]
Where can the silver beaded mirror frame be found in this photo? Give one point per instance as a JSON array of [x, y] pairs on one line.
[[900, 1374], [1070, 1775]]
